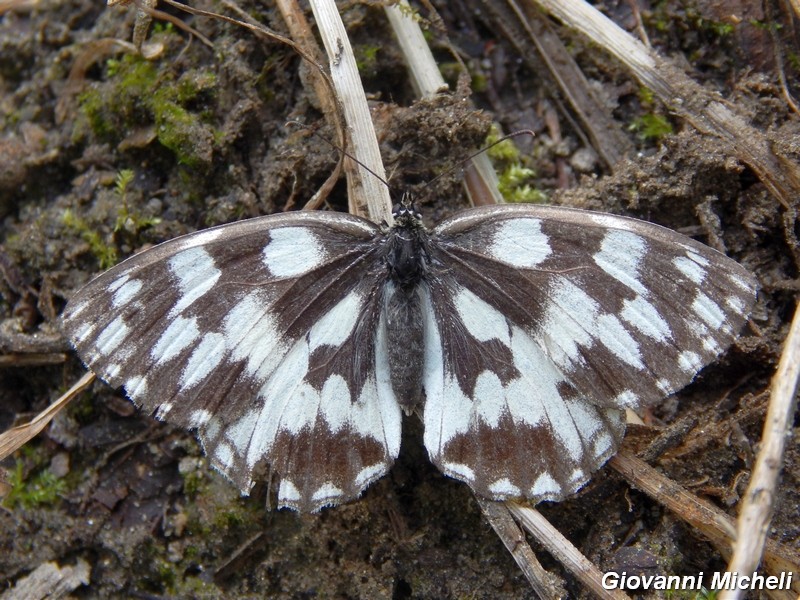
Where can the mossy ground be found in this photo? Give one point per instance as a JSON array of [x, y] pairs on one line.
[[199, 138]]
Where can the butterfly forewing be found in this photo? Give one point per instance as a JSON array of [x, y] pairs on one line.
[[266, 336], [545, 323]]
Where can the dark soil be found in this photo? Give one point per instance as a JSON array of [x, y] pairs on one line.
[[203, 132]]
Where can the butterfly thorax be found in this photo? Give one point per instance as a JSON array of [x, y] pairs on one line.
[[407, 259], [407, 246]]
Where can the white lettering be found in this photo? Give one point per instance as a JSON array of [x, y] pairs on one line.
[[610, 581]]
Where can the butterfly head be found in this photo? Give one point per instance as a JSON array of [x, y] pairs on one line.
[[406, 214]]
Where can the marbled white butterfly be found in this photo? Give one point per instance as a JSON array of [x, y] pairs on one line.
[[518, 333]]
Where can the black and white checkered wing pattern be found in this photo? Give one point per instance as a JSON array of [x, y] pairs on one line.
[[264, 335], [544, 324]]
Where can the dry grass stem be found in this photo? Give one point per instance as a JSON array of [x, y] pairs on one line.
[[425, 75], [563, 550], [33, 359], [546, 585], [756, 510], [17, 5], [428, 81], [367, 196], [49, 581], [712, 523], [705, 111], [18, 436]]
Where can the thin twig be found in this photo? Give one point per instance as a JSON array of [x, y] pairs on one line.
[[563, 550], [711, 522], [546, 585], [756, 511]]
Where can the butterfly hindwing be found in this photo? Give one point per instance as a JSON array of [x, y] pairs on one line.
[[545, 323], [266, 336], [499, 414]]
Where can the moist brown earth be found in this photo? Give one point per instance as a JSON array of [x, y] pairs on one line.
[[203, 131]]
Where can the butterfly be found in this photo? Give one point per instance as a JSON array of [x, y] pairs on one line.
[[519, 334]]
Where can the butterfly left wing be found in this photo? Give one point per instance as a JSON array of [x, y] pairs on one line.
[[264, 335], [544, 324]]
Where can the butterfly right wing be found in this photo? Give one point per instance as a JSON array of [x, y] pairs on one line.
[[267, 337], [545, 323]]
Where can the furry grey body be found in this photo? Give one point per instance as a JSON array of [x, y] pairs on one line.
[[408, 261]]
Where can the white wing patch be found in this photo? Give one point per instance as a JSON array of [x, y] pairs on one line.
[[690, 267], [179, 335], [709, 311], [572, 319], [520, 243], [205, 358], [481, 319], [690, 361], [621, 256], [112, 336], [251, 334], [195, 273], [293, 251], [125, 291], [545, 486], [533, 399], [337, 325], [643, 316]]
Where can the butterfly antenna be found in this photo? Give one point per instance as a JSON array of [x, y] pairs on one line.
[[461, 164], [342, 151]]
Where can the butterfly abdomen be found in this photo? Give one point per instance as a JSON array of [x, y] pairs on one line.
[[407, 263]]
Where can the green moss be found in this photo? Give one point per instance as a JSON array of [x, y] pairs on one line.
[[194, 83], [479, 83], [193, 484], [93, 106], [366, 58], [137, 92], [513, 176], [652, 127], [501, 151], [105, 253], [166, 573], [128, 220], [137, 78], [41, 488], [122, 181], [514, 187], [163, 28], [229, 517], [175, 128]]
